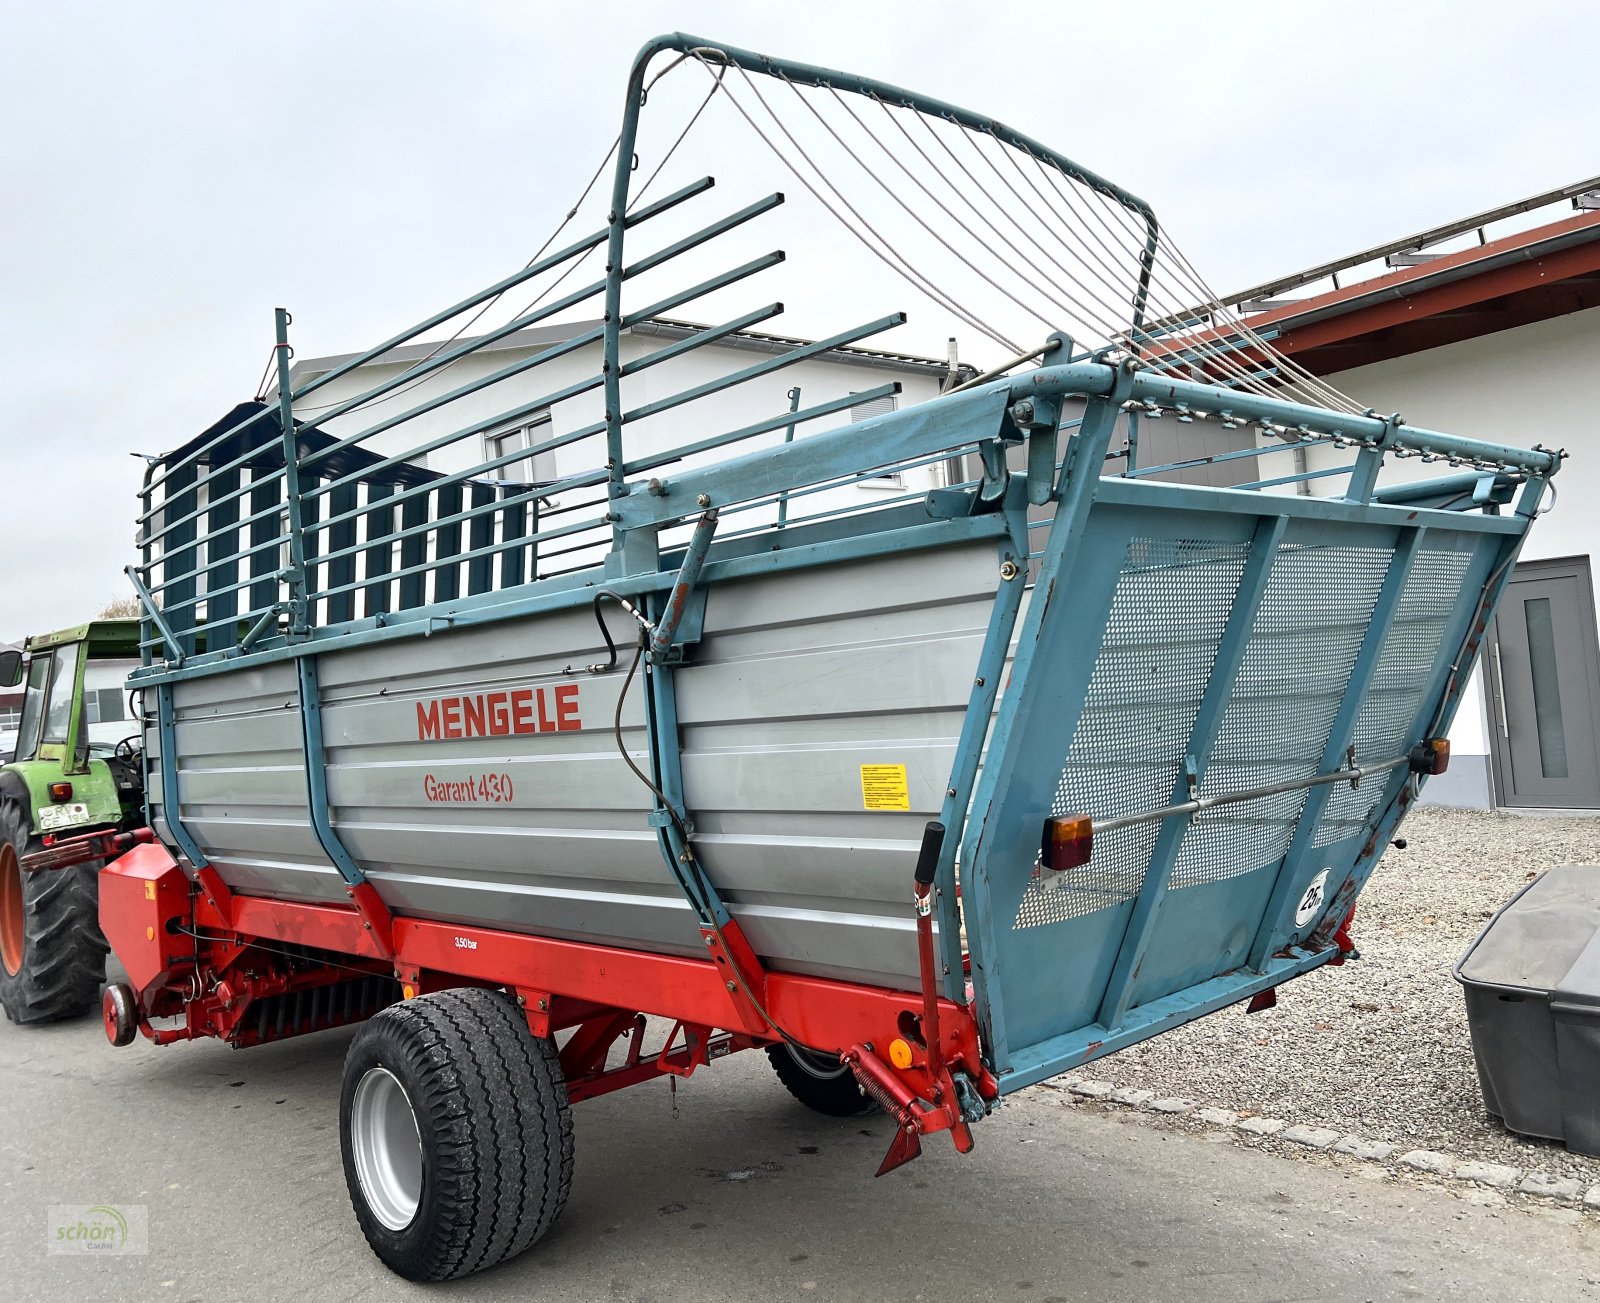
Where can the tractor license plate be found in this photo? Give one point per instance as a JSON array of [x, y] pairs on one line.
[[52, 818]]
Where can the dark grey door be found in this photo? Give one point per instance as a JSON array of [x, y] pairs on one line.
[[1544, 687]]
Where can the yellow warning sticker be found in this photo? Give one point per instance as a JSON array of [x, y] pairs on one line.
[[149, 889], [883, 787]]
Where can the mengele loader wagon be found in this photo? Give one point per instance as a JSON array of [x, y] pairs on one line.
[[929, 795]]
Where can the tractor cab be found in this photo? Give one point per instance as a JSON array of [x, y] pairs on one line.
[[76, 769], [84, 667]]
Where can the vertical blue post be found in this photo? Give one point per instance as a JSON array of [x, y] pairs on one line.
[[171, 806], [616, 219], [1231, 648], [299, 624], [1013, 573], [788, 437], [1369, 461], [1077, 490]]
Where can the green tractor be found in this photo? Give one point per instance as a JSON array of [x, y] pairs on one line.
[[76, 770]]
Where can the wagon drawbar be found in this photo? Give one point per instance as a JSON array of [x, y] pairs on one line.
[[930, 796]]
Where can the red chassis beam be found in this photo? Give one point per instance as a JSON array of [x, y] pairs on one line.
[[197, 950], [829, 1015]]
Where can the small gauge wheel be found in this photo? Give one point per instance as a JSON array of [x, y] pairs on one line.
[[120, 1013]]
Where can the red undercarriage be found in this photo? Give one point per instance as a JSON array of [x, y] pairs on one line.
[[246, 970]]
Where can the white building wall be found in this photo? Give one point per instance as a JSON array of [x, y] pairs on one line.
[[1538, 383], [820, 380]]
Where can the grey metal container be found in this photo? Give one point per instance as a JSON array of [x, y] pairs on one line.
[[1532, 983]]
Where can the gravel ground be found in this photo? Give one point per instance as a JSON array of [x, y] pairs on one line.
[[1380, 1047]]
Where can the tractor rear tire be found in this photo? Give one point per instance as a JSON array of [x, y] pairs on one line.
[[456, 1133], [826, 1086], [52, 954]]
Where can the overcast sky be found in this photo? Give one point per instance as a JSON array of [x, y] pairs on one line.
[[173, 171]]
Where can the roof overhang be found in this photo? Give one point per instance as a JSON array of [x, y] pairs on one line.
[[1531, 276], [532, 338]]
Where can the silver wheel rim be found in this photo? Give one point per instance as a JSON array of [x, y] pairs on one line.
[[816, 1065], [387, 1148]]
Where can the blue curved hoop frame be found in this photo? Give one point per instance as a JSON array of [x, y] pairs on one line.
[[806, 74]]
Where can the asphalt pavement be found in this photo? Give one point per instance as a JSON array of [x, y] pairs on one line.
[[725, 1190]]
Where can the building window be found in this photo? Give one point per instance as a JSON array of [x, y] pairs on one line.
[[104, 706], [537, 469], [865, 412], [873, 407]]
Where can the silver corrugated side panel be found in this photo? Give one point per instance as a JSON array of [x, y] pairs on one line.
[[800, 680], [241, 783]]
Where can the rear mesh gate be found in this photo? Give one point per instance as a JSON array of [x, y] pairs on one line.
[[1231, 646]]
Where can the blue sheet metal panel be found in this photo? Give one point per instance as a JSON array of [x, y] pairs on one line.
[[311, 565], [180, 559], [378, 597], [1034, 1063], [413, 551], [480, 570], [1396, 693], [342, 570], [1344, 860], [1219, 685], [266, 492], [1103, 726], [1329, 608], [447, 543], [1350, 862], [516, 563], [1106, 717], [883, 440], [1202, 931], [1342, 733]]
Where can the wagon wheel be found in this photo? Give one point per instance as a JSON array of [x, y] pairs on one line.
[[456, 1134], [820, 1082]]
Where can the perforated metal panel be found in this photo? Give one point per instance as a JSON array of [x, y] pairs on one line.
[[1409, 649], [1296, 669], [1171, 605]]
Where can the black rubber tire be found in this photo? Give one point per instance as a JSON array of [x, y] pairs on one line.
[[818, 1086], [63, 961], [495, 1126]]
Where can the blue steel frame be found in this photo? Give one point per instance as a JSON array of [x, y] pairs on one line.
[[980, 830], [1280, 951]]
